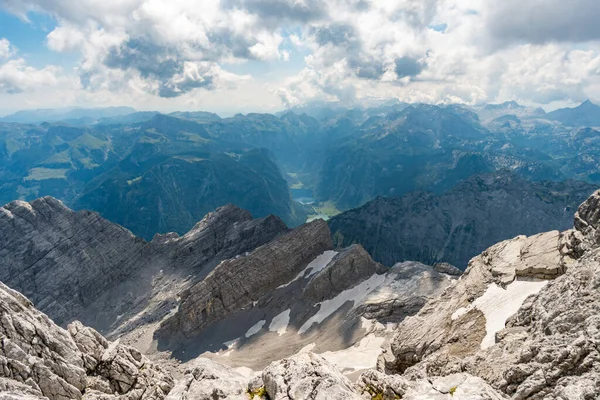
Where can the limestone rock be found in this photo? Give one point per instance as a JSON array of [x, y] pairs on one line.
[[549, 348], [406, 289], [348, 267], [77, 265], [208, 380], [456, 387], [447, 268], [460, 223], [41, 360], [306, 377], [235, 283], [454, 325]]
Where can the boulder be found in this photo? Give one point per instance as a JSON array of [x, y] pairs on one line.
[[306, 376], [38, 359]]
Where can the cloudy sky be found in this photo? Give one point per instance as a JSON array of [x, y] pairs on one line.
[[265, 55]]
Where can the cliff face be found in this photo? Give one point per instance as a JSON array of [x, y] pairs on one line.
[[77, 265], [61, 259], [236, 283], [461, 223]]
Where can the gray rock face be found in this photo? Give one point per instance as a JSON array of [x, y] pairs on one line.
[[547, 347], [235, 283], [349, 267], [38, 359], [76, 265], [208, 380], [455, 387], [407, 288], [59, 258], [306, 377], [461, 223], [441, 328]]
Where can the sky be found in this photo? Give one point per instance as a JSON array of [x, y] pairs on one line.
[[232, 56]]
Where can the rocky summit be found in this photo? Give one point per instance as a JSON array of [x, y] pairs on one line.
[[77, 265], [245, 308]]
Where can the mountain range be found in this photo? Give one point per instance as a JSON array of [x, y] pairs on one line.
[[247, 308], [125, 164]]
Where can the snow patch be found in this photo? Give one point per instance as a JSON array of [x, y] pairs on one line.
[[231, 343], [280, 323], [227, 353], [362, 355], [315, 266], [256, 328], [498, 304], [356, 295]]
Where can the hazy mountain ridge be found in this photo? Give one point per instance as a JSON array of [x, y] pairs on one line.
[[459, 224]]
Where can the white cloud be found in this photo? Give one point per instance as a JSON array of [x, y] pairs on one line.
[[6, 50], [16, 76], [473, 51]]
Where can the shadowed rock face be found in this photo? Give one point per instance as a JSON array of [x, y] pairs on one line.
[[461, 223], [236, 283], [41, 360], [77, 265]]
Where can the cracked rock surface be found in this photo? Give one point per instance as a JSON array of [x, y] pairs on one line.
[[79, 266], [306, 377], [38, 359], [235, 283], [548, 349]]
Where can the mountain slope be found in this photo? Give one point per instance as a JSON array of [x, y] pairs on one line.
[[41, 361], [523, 317], [586, 114], [457, 225], [173, 193], [77, 265]]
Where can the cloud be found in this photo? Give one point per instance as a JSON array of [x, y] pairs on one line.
[[407, 67], [472, 51], [6, 50], [543, 21], [16, 77], [274, 11]]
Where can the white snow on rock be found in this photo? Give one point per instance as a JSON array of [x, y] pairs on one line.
[[361, 356], [498, 304], [356, 295], [280, 323], [256, 328], [315, 266]]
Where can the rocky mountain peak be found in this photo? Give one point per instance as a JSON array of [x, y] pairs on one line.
[[235, 283]]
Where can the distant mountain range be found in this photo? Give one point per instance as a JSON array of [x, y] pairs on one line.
[[90, 115], [124, 163]]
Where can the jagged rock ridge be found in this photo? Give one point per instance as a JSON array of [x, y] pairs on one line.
[[461, 223], [542, 347], [77, 265]]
